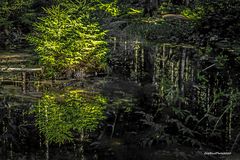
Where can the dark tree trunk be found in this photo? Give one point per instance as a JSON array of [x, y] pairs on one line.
[[177, 2], [150, 6]]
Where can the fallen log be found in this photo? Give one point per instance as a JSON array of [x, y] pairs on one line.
[[10, 56], [6, 69], [174, 17]]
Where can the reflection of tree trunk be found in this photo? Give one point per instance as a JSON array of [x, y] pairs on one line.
[[207, 106], [156, 75], [4, 138], [125, 46], [211, 91], [40, 138], [172, 66], [195, 74], [193, 90], [187, 68], [46, 143], [136, 61], [163, 57], [47, 150], [125, 56], [230, 123], [114, 123], [172, 80], [181, 75], [183, 70], [4, 130], [114, 43], [163, 77], [155, 67], [81, 148], [11, 150], [142, 65], [230, 116], [10, 144], [225, 130]]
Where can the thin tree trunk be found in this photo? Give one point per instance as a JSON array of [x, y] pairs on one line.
[[24, 82]]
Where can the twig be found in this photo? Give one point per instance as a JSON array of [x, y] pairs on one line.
[[235, 141], [208, 67]]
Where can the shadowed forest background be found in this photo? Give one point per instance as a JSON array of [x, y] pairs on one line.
[[119, 79]]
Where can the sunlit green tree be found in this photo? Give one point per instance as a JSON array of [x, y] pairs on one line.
[[69, 37]]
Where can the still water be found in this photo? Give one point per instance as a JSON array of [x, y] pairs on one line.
[[151, 91]]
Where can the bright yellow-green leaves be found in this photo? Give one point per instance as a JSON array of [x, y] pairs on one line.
[[195, 14], [133, 11], [68, 39], [58, 116], [110, 7]]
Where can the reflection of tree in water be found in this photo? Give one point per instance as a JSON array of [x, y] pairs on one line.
[[17, 130], [196, 93], [69, 116]]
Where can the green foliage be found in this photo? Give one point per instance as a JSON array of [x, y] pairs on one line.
[[124, 103], [64, 39], [193, 14], [133, 11], [233, 96], [15, 8], [220, 21], [84, 7], [16, 18], [110, 7], [59, 116], [221, 60], [166, 8]]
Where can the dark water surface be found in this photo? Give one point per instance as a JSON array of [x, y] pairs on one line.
[[144, 79]]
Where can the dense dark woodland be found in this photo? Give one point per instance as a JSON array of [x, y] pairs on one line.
[[119, 79]]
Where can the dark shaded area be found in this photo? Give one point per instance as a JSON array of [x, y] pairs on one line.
[[172, 83]]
